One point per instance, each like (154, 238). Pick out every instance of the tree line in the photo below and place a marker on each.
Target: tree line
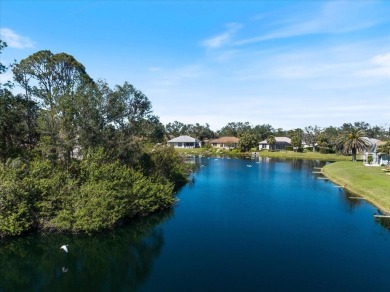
(324, 140)
(77, 155)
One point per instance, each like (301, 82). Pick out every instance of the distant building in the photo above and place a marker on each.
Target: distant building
(280, 144)
(377, 158)
(225, 142)
(184, 142)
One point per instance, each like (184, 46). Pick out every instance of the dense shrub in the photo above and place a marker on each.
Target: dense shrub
(164, 164)
(90, 195)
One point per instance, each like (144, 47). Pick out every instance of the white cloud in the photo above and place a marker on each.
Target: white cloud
(154, 69)
(179, 75)
(333, 18)
(381, 69)
(382, 60)
(223, 38)
(269, 110)
(14, 40)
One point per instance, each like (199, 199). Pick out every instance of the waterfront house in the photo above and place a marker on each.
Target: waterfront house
(280, 143)
(372, 155)
(184, 142)
(225, 142)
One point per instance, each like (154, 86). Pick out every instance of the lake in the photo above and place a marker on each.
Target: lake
(240, 225)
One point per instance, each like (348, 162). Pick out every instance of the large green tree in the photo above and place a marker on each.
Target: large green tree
(235, 129)
(248, 141)
(18, 118)
(311, 135)
(56, 81)
(174, 129)
(263, 131)
(17, 125)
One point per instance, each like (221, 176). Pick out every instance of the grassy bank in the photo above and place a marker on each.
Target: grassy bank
(265, 153)
(369, 182)
(305, 155)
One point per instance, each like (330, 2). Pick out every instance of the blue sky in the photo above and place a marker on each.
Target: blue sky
(285, 63)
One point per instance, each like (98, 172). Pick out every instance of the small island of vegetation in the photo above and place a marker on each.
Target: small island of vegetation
(77, 155)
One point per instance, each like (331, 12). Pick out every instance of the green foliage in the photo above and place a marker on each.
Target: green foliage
(197, 131)
(83, 143)
(235, 129)
(352, 141)
(164, 163)
(370, 182)
(370, 159)
(15, 200)
(87, 196)
(271, 141)
(110, 192)
(384, 148)
(248, 141)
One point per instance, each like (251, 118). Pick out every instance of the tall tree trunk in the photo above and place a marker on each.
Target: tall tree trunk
(353, 154)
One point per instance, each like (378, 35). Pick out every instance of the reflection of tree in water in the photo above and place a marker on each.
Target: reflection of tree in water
(302, 164)
(350, 201)
(385, 222)
(115, 261)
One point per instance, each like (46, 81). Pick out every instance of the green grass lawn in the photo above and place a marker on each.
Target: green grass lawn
(265, 153)
(195, 151)
(305, 155)
(370, 182)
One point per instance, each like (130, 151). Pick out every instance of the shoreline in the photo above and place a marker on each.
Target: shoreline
(371, 183)
(264, 153)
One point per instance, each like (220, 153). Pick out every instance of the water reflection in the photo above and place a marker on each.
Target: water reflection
(120, 260)
(351, 200)
(384, 222)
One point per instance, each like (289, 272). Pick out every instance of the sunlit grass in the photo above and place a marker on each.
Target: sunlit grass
(266, 153)
(368, 181)
(305, 155)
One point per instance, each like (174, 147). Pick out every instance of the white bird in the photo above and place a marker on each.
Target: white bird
(65, 247)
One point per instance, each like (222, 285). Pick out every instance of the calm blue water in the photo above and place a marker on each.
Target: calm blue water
(270, 227)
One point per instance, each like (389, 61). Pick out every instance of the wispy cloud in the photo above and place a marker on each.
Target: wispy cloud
(180, 75)
(333, 18)
(223, 38)
(155, 69)
(14, 40)
(382, 60)
(380, 67)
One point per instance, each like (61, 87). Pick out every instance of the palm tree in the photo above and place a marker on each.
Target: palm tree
(352, 141)
(271, 141)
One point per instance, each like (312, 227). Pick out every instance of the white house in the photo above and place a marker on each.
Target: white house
(184, 142)
(378, 158)
(383, 159)
(280, 143)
